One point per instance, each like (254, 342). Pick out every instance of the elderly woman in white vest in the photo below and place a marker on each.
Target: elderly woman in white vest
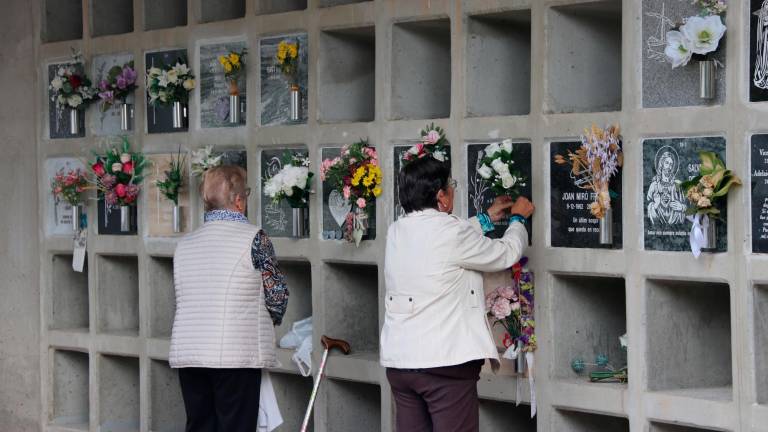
(436, 336)
(229, 296)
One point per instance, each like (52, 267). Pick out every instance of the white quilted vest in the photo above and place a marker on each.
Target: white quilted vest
(221, 319)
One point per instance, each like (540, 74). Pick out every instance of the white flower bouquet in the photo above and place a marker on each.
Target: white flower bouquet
(203, 159)
(498, 167)
(71, 88)
(169, 84)
(292, 183)
(699, 36)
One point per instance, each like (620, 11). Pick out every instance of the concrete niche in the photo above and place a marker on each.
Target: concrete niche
(266, 7)
(664, 427)
(118, 294)
(355, 407)
(353, 288)
(119, 394)
(162, 14)
(329, 3)
(111, 17)
(69, 309)
(299, 279)
(166, 405)
(70, 390)
(63, 20)
(575, 421)
(220, 10)
(292, 393)
(162, 297)
(761, 342)
(501, 416)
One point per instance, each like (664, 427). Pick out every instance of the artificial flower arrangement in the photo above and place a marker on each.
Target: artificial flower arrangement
(498, 167)
(293, 183)
(69, 186)
(118, 175)
(119, 83)
(703, 192)
(356, 175)
(173, 180)
(288, 61)
(71, 88)
(169, 84)
(433, 143)
(233, 65)
(204, 159)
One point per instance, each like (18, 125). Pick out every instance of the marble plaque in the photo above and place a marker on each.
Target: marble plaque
(759, 170)
(160, 118)
(573, 225)
(108, 122)
(214, 87)
(276, 219)
(399, 150)
(667, 161)
(158, 210)
(58, 118)
(758, 51)
(109, 219)
(58, 217)
(479, 193)
(275, 93)
(662, 85)
(335, 208)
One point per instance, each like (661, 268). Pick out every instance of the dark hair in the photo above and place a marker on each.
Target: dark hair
(419, 181)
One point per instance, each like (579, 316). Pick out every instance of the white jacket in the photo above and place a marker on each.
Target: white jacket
(435, 304)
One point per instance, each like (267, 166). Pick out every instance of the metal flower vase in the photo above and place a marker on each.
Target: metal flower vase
(295, 102)
(125, 218)
(606, 227)
(176, 219)
(126, 114)
(711, 243)
(179, 115)
(234, 103)
(520, 360)
(707, 73)
(300, 222)
(74, 121)
(77, 215)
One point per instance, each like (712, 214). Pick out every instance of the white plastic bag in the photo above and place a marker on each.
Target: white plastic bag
(303, 356)
(299, 331)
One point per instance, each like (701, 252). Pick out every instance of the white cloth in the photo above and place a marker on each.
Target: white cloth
(221, 318)
(435, 303)
(698, 236)
(269, 413)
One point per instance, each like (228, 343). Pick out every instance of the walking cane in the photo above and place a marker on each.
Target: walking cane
(328, 344)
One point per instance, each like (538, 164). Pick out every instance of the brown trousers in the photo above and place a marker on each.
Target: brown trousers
(440, 399)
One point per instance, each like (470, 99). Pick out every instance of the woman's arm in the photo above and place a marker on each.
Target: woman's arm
(473, 250)
(275, 286)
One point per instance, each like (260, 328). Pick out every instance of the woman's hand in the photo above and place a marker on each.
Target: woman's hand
(523, 207)
(498, 210)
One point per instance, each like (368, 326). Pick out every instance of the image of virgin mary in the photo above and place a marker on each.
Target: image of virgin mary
(666, 201)
(760, 78)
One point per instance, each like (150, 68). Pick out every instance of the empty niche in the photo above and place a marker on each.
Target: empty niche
(329, 3)
(118, 294)
(689, 338)
(584, 60)
(166, 405)
(665, 427)
(162, 296)
(500, 416)
(421, 69)
(354, 289)
(70, 389)
(355, 407)
(266, 7)
(591, 318)
(499, 64)
(575, 421)
(162, 14)
(119, 393)
(761, 342)
(63, 20)
(292, 392)
(299, 279)
(69, 295)
(221, 10)
(347, 75)
(111, 17)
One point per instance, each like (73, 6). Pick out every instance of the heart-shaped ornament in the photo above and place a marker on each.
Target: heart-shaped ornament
(339, 207)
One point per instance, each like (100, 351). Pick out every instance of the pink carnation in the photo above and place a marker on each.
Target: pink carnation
(501, 308)
(347, 192)
(507, 292)
(432, 137)
(360, 203)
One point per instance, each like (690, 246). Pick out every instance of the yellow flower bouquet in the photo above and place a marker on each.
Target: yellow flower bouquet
(288, 60)
(233, 65)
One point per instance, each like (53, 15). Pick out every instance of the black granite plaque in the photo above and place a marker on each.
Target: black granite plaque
(335, 209)
(759, 193)
(399, 151)
(667, 161)
(214, 86)
(758, 51)
(275, 90)
(276, 219)
(573, 225)
(160, 117)
(109, 220)
(479, 193)
(58, 118)
(234, 157)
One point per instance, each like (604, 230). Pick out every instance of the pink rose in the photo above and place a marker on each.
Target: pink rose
(360, 203)
(120, 190)
(128, 167)
(347, 192)
(431, 138)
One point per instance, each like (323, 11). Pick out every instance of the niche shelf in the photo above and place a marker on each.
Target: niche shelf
(69, 291)
(63, 20)
(163, 14)
(162, 297)
(292, 392)
(421, 70)
(499, 64)
(119, 393)
(299, 278)
(689, 339)
(356, 407)
(70, 405)
(761, 342)
(576, 421)
(500, 416)
(591, 318)
(267, 7)
(354, 289)
(221, 10)
(584, 60)
(330, 3)
(118, 294)
(665, 427)
(347, 75)
(111, 17)
(166, 404)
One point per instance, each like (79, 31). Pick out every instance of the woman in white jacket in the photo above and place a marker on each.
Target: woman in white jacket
(435, 336)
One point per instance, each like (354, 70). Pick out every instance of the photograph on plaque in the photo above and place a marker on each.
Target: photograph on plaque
(399, 151)
(104, 123)
(276, 218)
(160, 117)
(58, 218)
(759, 171)
(215, 87)
(572, 223)
(758, 51)
(58, 117)
(666, 163)
(278, 100)
(479, 193)
(158, 210)
(336, 208)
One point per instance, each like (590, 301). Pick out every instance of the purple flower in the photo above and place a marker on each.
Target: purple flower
(110, 198)
(108, 181)
(129, 75)
(104, 85)
(121, 82)
(107, 96)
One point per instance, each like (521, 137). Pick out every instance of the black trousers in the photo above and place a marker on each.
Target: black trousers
(221, 400)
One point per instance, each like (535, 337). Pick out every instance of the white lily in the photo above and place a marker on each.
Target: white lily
(485, 171)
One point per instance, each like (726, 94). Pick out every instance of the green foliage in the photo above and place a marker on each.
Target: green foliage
(174, 178)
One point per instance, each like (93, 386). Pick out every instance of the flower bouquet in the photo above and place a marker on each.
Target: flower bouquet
(433, 143)
(288, 62)
(170, 86)
(233, 65)
(703, 191)
(115, 88)
(357, 177)
(68, 186)
(118, 175)
(293, 183)
(596, 161)
(498, 166)
(72, 89)
(699, 38)
(171, 185)
(203, 159)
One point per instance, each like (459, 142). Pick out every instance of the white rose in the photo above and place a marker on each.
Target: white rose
(507, 181)
(117, 167)
(154, 72)
(500, 167)
(506, 145)
(678, 50)
(485, 171)
(439, 155)
(189, 84)
(704, 33)
(56, 83)
(75, 100)
(492, 149)
(173, 76)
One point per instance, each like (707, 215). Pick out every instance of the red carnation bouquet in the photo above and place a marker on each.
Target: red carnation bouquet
(118, 175)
